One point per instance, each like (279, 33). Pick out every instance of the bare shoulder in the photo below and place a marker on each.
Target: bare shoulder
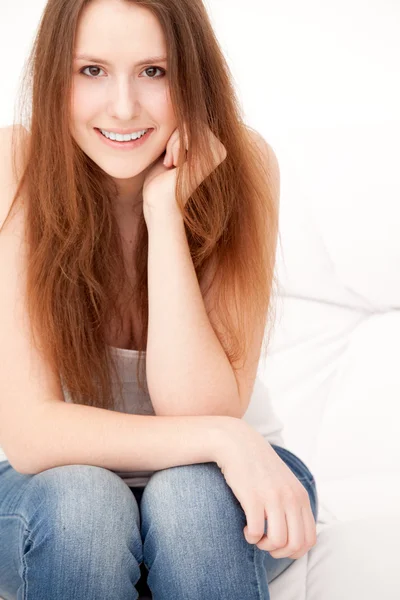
(13, 134)
(270, 159)
(7, 133)
(11, 138)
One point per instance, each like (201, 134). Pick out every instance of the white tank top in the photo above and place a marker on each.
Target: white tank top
(134, 401)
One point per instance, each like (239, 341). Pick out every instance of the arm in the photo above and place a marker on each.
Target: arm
(188, 372)
(59, 433)
(38, 430)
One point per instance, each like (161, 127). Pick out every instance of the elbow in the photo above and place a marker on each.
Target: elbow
(229, 407)
(18, 459)
(20, 466)
(25, 467)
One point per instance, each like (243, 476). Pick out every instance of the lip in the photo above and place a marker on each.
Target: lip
(124, 146)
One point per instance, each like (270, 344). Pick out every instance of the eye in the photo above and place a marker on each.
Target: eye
(89, 67)
(163, 72)
(155, 69)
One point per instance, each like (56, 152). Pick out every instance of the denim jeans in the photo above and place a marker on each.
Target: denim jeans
(79, 532)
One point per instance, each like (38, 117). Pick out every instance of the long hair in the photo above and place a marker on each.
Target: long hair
(75, 269)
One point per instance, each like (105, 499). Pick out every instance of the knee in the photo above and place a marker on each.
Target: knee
(189, 501)
(81, 523)
(181, 481)
(82, 498)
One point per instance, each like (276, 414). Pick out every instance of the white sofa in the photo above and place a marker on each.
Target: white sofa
(333, 369)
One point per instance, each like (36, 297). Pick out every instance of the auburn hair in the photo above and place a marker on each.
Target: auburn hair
(75, 269)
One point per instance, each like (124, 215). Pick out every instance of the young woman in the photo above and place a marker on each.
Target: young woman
(157, 245)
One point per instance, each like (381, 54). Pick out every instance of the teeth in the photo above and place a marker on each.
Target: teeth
(123, 138)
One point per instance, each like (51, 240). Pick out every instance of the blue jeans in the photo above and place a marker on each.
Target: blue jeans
(79, 532)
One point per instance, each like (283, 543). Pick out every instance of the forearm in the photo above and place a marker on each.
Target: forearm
(61, 433)
(188, 372)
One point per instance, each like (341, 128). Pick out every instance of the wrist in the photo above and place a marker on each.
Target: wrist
(225, 431)
(160, 215)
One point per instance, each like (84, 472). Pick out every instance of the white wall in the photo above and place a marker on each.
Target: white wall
(295, 63)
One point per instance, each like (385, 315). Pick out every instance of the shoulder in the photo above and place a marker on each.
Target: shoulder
(269, 159)
(17, 132)
(265, 149)
(11, 138)
(12, 131)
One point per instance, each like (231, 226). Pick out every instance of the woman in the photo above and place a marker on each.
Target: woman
(162, 247)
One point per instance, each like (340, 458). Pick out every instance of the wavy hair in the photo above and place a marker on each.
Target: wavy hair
(75, 269)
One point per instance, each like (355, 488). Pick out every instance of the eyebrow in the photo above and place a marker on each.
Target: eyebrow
(145, 61)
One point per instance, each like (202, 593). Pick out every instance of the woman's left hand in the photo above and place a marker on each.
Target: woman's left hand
(159, 187)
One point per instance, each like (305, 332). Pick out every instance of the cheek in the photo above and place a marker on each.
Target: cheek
(158, 104)
(85, 103)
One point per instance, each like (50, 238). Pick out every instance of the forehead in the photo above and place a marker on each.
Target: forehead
(119, 31)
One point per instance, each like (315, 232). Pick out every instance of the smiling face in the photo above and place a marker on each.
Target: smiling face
(117, 92)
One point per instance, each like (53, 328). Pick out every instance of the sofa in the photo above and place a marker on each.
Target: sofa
(333, 367)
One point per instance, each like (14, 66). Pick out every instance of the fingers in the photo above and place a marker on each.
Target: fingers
(173, 153)
(172, 150)
(168, 151)
(310, 532)
(277, 530)
(295, 525)
(255, 517)
(291, 528)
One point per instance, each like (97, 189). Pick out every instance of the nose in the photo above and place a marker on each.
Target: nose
(124, 102)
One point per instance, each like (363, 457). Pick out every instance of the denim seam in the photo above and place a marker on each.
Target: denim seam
(22, 557)
(307, 479)
(300, 465)
(256, 572)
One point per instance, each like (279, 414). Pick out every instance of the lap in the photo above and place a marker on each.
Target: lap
(181, 504)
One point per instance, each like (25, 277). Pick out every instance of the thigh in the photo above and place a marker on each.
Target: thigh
(64, 525)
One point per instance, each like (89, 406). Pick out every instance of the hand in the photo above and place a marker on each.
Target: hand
(267, 489)
(159, 187)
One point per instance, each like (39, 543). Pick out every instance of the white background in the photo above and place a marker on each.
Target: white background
(295, 63)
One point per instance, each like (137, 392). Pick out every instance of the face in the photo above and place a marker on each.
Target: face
(117, 93)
